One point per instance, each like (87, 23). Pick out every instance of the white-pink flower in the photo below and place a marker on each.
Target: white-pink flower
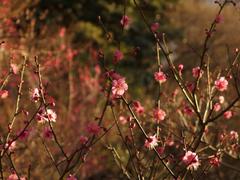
(151, 142)
(233, 136)
(159, 114)
(3, 94)
(191, 160)
(221, 84)
(45, 116)
(216, 107)
(15, 177)
(138, 107)
(160, 77)
(119, 87)
(221, 99)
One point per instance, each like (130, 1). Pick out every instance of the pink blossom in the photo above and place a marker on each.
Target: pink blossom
(221, 84)
(71, 177)
(160, 76)
(190, 86)
(180, 69)
(215, 161)
(44, 116)
(123, 120)
(191, 160)
(228, 114)
(11, 146)
(188, 111)
(93, 128)
(154, 26)
(119, 87)
(151, 142)
(233, 136)
(3, 94)
(219, 19)
(15, 177)
(160, 150)
(138, 107)
(125, 21)
(216, 107)
(118, 56)
(159, 114)
(197, 72)
(83, 139)
(35, 95)
(14, 68)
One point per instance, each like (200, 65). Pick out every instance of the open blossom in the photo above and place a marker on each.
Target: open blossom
(191, 160)
(14, 68)
(159, 114)
(11, 146)
(160, 76)
(3, 94)
(215, 161)
(151, 142)
(35, 95)
(217, 107)
(233, 136)
(15, 177)
(44, 116)
(221, 84)
(154, 26)
(119, 87)
(118, 56)
(125, 21)
(197, 72)
(228, 114)
(138, 107)
(93, 128)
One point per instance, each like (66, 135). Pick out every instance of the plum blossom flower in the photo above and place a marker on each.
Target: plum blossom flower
(71, 177)
(45, 116)
(233, 135)
(197, 72)
(35, 95)
(191, 160)
(119, 87)
(228, 114)
(160, 77)
(215, 161)
(14, 68)
(151, 142)
(154, 26)
(221, 84)
(11, 146)
(123, 120)
(180, 69)
(138, 107)
(216, 107)
(14, 176)
(159, 114)
(93, 128)
(3, 94)
(118, 56)
(125, 21)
